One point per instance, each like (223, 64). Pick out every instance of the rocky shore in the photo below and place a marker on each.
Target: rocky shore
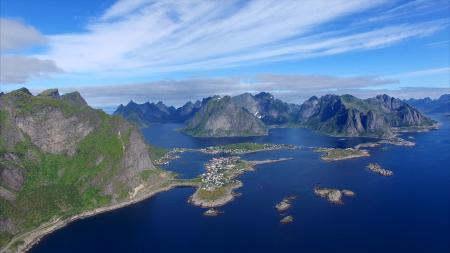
(217, 198)
(333, 195)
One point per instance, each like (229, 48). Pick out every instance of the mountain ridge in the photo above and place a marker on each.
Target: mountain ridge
(343, 115)
(428, 105)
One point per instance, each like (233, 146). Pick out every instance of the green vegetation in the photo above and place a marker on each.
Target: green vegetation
(61, 186)
(156, 153)
(28, 104)
(212, 195)
(245, 146)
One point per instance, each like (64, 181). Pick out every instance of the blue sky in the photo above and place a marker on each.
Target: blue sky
(114, 51)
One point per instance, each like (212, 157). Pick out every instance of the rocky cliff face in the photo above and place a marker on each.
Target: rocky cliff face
(349, 116)
(265, 107)
(59, 157)
(221, 117)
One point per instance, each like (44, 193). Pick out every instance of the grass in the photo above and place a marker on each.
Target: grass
(156, 152)
(212, 195)
(244, 146)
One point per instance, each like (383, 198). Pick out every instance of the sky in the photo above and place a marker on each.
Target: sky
(174, 51)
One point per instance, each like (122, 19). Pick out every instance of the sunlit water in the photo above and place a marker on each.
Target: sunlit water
(409, 212)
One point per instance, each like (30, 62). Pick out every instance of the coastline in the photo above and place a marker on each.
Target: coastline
(227, 197)
(229, 193)
(34, 236)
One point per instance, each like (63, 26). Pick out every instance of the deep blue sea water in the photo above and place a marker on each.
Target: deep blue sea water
(409, 212)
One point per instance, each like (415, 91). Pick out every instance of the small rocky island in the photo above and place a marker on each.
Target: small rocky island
(218, 183)
(211, 212)
(285, 204)
(336, 154)
(375, 167)
(287, 219)
(333, 195)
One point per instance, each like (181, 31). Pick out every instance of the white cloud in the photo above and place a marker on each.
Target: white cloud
(14, 35)
(20, 69)
(424, 72)
(142, 37)
(292, 88)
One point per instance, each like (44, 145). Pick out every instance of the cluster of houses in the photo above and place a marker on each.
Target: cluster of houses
(168, 156)
(215, 176)
(237, 151)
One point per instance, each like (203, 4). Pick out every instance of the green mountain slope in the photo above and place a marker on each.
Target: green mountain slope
(59, 158)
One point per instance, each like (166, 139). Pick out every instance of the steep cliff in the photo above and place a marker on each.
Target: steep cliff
(59, 157)
(221, 117)
(270, 110)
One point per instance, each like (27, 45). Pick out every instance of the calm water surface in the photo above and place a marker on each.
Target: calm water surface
(409, 212)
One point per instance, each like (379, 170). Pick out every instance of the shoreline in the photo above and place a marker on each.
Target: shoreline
(229, 196)
(33, 237)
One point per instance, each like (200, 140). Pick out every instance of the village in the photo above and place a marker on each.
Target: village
(219, 172)
(244, 148)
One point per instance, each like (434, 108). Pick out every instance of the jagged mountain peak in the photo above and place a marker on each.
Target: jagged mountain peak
(51, 93)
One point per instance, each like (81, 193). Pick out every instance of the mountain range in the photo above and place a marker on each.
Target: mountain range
(252, 115)
(428, 105)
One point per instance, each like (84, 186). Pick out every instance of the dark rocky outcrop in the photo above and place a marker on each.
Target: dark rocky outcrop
(265, 107)
(349, 116)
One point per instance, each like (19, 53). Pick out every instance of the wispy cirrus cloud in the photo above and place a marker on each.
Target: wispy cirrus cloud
(143, 37)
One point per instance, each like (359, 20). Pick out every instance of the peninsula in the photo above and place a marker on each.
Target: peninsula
(218, 183)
